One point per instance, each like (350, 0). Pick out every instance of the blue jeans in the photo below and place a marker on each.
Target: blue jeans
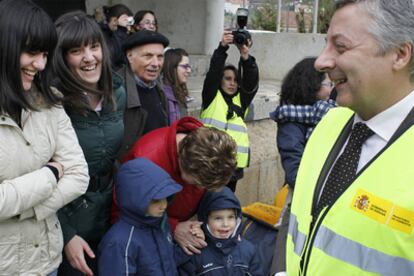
(53, 273)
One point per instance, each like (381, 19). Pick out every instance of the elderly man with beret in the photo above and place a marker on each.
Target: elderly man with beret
(146, 108)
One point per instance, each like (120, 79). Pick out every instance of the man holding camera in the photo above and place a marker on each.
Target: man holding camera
(227, 94)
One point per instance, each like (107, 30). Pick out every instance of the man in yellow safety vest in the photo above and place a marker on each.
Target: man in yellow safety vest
(353, 207)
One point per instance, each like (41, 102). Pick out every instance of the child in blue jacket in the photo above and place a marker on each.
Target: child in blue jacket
(226, 254)
(140, 242)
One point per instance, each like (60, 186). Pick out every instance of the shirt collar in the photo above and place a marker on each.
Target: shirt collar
(144, 84)
(386, 123)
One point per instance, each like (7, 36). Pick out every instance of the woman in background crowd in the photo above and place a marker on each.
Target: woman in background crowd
(42, 166)
(175, 73)
(94, 99)
(227, 95)
(145, 19)
(115, 30)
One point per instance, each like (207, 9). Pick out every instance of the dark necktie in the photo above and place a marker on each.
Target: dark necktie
(344, 170)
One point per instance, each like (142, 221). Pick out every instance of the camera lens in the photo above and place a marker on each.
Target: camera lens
(240, 39)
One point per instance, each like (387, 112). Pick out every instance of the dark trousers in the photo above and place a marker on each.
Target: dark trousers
(279, 263)
(238, 174)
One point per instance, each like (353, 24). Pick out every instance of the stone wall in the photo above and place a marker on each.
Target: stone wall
(265, 175)
(189, 24)
(276, 53)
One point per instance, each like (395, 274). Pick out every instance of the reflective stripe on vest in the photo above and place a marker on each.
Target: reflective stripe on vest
(354, 253)
(298, 238)
(215, 115)
(242, 149)
(222, 125)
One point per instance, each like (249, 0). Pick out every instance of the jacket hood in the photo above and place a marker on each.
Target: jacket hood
(140, 181)
(224, 199)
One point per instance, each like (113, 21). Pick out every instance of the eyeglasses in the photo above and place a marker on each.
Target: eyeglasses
(185, 66)
(148, 22)
(327, 84)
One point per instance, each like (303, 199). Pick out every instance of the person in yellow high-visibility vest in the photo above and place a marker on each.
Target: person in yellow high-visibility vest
(353, 210)
(227, 94)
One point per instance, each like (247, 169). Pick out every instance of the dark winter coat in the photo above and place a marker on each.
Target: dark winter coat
(100, 135)
(291, 141)
(136, 116)
(114, 41)
(222, 257)
(139, 244)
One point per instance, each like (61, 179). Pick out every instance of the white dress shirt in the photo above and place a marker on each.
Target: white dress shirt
(384, 125)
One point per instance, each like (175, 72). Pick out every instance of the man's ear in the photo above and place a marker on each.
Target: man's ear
(403, 56)
(129, 55)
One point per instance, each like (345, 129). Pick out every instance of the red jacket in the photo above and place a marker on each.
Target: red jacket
(160, 147)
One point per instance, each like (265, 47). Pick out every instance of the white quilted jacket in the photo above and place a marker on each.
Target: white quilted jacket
(30, 234)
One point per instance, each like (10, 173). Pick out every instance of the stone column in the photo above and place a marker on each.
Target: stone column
(214, 25)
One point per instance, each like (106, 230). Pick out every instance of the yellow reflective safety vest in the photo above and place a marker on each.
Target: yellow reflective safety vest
(215, 115)
(369, 229)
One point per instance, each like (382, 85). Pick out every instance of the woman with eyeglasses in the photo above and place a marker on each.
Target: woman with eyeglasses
(145, 19)
(304, 100)
(226, 96)
(42, 166)
(175, 73)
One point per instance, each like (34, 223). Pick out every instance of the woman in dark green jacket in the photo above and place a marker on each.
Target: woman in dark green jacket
(94, 99)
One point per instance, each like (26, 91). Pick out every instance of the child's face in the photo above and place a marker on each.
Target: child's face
(222, 223)
(157, 207)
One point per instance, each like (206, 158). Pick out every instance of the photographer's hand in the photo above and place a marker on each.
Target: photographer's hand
(227, 38)
(123, 20)
(244, 50)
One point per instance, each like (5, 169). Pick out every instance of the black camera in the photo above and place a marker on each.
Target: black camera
(241, 35)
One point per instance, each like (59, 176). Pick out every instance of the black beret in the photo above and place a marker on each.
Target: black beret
(144, 37)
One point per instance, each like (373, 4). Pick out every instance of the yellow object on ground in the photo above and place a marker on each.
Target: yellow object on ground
(266, 213)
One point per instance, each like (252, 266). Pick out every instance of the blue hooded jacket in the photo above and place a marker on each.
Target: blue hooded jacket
(222, 257)
(139, 244)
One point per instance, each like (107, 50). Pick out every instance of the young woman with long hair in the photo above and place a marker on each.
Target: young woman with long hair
(42, 166)
(94, 99)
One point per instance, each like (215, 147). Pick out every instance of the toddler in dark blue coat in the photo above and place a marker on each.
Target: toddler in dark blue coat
(140, 243)
(227, 254)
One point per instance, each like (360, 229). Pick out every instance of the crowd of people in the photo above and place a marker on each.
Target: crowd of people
(103, 173)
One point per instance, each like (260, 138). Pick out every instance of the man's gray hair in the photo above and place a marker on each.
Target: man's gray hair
(392, 23)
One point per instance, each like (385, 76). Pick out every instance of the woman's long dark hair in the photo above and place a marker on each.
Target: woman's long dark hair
(76, 29)
(24, 27)
(169, 72)
(302, 83)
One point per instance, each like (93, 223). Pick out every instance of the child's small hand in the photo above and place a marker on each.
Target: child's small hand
(196, 231)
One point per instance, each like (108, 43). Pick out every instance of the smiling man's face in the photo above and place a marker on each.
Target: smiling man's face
(146, 61)
(353, 62)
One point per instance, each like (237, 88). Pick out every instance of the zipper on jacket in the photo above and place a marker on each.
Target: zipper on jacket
(311, 240)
